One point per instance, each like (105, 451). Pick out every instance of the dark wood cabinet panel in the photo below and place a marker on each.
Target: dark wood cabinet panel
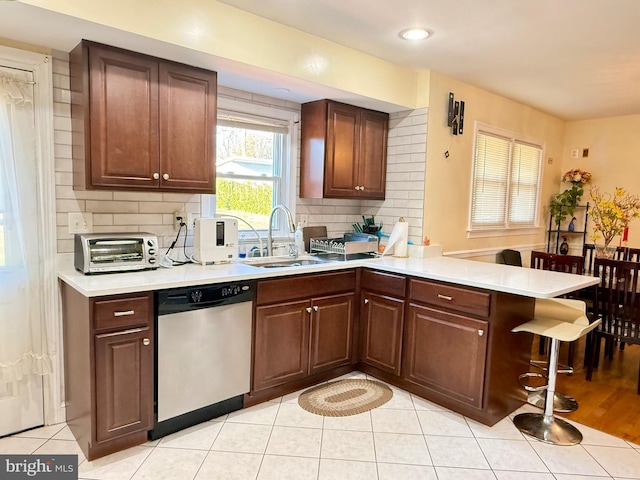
(109, 369)
(372, 169)
(343, 151)
(331, 332)
(140, 122)
(446, 353)
(305, 287)
(187, 127)
(123, 126)
(281, 344)
(381, 319)
(124, 383)
(458, 299)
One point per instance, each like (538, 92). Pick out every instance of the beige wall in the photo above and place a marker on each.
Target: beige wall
(447, 186)
(614, 157)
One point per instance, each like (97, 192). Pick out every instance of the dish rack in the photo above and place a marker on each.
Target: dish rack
(351, 245)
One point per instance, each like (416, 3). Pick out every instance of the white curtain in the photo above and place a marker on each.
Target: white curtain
(23, 339)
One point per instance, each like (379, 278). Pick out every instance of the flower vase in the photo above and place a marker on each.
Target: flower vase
(605, 251)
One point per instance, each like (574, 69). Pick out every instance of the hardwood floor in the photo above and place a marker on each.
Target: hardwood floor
(610, 402)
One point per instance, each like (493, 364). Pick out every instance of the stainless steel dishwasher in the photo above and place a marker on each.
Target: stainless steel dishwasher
(203, 353)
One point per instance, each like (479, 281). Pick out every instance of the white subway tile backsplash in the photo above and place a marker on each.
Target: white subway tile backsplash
(112, 207)
(160, 207)
(61, 81)
(137, 219)
(62, 123)
(93, 195)
(137, 196)
(71, 205)
(102, 219)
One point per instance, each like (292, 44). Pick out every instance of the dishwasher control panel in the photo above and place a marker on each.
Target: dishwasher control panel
(204, 296)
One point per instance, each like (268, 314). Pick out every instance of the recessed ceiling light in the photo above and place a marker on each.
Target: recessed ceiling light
(415, 33)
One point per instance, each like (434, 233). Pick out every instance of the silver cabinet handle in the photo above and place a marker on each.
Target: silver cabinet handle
(124, 313)
(361, 188)
(124, 332)
(445, 297)
(165, 176)
(315, 308)
(146, 341)
(156, 176)
(480, 333)
(366, 300)
(308, 309)
(357, 187)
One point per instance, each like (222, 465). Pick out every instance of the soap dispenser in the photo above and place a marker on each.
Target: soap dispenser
(299, 239)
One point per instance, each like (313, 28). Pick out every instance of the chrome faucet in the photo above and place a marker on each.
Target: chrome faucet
(292, 226)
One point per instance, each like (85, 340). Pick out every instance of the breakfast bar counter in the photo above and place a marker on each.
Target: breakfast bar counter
(497, 277)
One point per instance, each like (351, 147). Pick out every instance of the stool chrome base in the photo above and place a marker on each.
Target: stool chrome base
(561, 403)
(547, 429)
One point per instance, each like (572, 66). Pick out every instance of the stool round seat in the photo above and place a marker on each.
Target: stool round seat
(560, 320)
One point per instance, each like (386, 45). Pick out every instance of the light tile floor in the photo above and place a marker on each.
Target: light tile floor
(408, 438)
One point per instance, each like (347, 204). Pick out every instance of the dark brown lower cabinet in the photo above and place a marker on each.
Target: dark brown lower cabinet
(281, 344)
(446, 353)
(298, 340)
(124, 383)
(331, 334)
(381, 318)
(109, 369)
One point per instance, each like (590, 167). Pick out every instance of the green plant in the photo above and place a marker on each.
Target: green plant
(565, 203)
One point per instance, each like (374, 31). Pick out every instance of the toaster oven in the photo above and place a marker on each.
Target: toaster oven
(115, 252)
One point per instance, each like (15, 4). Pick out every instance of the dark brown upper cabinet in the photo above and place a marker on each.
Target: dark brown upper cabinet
(343, 151)
(140, 122)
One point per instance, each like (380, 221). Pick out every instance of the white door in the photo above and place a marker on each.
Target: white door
(21, 401)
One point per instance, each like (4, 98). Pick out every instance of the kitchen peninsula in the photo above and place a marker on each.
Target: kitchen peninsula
(437, 327)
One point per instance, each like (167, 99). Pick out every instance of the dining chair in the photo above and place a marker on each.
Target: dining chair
(617, 304)
(509, 257)
(560, 263)
(589, 255)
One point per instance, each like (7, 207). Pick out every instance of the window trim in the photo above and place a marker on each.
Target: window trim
(289, 160)
(476, 232)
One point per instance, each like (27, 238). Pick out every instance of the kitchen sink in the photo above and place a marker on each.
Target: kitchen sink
(290, 263)
(283, 262)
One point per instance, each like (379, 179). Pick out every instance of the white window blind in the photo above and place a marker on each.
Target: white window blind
(505, 183)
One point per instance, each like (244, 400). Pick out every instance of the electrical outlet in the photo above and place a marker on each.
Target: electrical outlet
(179, 217)
(80, 222)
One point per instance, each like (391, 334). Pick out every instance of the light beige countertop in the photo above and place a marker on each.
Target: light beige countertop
(502, 278)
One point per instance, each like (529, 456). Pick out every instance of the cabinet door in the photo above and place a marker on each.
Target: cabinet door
(446, 353)
(331, 335)
(187, 128)
(124, 383)
(342, 151)
(281, 344)
(123, 89)
(382, 322)
(372, 167)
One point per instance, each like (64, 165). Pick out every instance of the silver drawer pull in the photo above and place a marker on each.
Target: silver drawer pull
(308, 309)
(125, 332)
(315, 308)
(445, 297)
(480, 333)
(124, 313)
(146, 341)
(366, 300)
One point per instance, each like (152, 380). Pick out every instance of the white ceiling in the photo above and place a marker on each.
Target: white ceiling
(575, 59)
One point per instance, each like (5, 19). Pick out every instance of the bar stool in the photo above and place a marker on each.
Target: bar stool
(561, 320)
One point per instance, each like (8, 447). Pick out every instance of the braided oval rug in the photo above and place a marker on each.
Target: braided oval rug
(345, 397)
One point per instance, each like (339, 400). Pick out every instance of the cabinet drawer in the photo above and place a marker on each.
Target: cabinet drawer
(385, 283)
(453, 298)
(305, 286)
(122, 310)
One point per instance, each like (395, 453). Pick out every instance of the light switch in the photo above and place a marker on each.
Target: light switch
(80, 222)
